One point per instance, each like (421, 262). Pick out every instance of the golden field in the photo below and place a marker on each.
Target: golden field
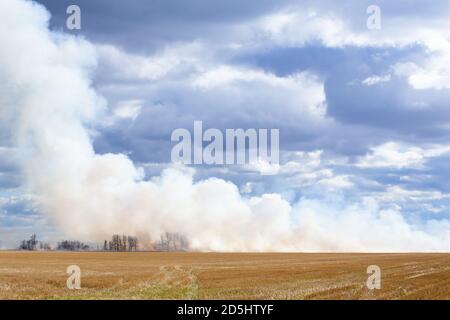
(155, 275)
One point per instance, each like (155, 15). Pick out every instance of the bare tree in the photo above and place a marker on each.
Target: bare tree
(132, 243)
(121, 243)
(124, 243)
(172, 242)
(115, 242)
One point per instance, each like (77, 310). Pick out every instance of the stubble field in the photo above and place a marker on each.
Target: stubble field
(153, 275)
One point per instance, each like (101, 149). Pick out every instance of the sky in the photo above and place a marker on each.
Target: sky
(363, 116)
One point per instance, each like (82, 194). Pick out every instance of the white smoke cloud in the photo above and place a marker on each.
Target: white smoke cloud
(47, 99)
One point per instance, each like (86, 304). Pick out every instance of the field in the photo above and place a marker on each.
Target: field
(152, 275)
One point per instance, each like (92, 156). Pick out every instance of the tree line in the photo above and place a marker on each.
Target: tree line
(168, 242)
(30, 244)
(33, 244)
(72, 245)
(172, 242)
(119, 243)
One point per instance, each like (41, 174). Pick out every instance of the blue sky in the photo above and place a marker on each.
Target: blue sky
(363, 114)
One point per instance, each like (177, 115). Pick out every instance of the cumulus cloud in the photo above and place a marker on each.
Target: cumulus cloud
(129, 109)
(178, 77)
(171, 60)
(329, 25)
(397, 156)
(433, 73)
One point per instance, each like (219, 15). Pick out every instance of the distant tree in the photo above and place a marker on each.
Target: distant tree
(68, 245)
(132, 243)
(116, 242)
(23, 245)
(33, 242)
(124, 243)
(44, 246)
(172, 242)
(121, 243)
(29, 244)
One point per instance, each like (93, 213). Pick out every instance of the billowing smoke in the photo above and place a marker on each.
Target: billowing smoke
(48, 104)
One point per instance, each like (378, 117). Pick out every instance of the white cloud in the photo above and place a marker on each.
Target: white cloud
(183, 75)
(128, 109)
(301, 25)
(297, 95)
(433, 209)
(434, 73)
(297, 27)
(399, 156)
(398, 194)
(118, 64)
(263, 167)
(337, 182)
(302, 162)
(247, 188)
(370, 81)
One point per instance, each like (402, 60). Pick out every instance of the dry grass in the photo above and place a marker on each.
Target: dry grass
(146, 275)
